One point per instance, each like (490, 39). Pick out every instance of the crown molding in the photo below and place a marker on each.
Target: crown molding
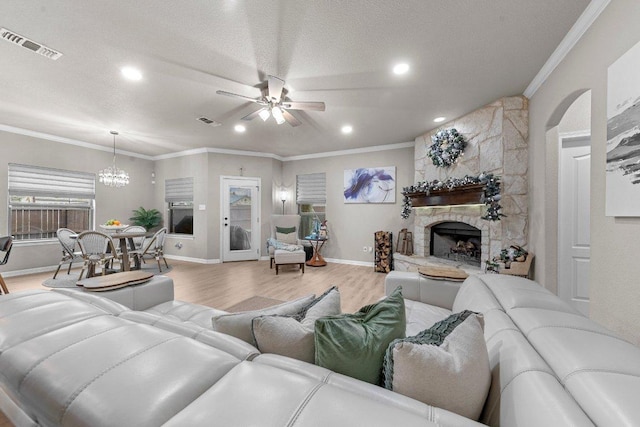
(363, 150)
(63, 140)
(203, 150)
(588, 17)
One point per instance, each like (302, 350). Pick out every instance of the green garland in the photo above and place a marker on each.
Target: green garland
(447, 145)
(491, 192)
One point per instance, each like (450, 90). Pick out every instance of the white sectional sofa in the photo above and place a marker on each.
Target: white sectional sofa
(550, 365)
(136, 357)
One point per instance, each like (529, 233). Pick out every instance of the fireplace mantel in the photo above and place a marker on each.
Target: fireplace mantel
(471, 194)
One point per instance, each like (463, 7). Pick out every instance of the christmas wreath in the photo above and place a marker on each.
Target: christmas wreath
(447, 146)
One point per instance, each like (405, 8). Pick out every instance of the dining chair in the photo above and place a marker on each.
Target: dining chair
(137, 241)
(69, 253)
(97, 250)
(154, 247)
(6, 243)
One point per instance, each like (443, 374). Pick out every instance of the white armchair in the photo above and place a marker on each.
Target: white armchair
(285, 229)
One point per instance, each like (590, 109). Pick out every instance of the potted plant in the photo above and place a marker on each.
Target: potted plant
(147, 218)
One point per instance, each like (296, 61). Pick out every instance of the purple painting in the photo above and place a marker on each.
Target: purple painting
(370, 185)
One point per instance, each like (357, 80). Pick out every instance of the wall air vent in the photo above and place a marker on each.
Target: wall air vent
(38, 48)
(209, 122)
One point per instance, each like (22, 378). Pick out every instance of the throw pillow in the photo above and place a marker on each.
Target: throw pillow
(445, 366)
(287, 235)
(292, 336)
(355, 344)
(239, 324)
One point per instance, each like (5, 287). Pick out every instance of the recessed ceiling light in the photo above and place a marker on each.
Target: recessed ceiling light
(400, 69)
(347, 129)
(131, 73)
(439, 119)
(239, 128)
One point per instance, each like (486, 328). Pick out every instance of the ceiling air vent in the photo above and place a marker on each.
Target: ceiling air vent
(38, 48)
(209, 122)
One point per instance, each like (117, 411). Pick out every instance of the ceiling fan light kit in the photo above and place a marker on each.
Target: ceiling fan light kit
(274, 103)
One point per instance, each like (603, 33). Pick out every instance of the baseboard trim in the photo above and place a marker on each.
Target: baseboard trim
(350, 262)
(190, 259)
(36, 270)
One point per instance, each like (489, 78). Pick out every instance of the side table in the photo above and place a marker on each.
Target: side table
(317, 244)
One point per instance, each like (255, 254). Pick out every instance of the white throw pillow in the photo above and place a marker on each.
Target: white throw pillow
(294, 336)
(287, 235)
(239, 324)
(445, 366)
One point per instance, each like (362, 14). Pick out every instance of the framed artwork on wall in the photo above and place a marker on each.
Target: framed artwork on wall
(623, 135)
(370, 185)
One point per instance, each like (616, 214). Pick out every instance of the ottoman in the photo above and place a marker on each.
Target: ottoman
(282, 257)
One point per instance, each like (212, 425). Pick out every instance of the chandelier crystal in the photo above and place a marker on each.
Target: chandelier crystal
(112, 176)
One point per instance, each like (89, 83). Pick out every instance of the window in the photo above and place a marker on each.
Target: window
(178, 193)
(311, 197)
(41, 200)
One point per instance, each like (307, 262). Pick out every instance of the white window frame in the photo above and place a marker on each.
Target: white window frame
(50, 191)
(178, 194)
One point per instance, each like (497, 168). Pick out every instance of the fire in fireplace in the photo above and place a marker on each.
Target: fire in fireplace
(456, 241)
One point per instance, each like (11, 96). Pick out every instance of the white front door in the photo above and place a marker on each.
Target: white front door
(240, 215)
(574, 243)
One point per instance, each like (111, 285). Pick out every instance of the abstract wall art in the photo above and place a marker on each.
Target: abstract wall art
(623, 136)
(370, 185)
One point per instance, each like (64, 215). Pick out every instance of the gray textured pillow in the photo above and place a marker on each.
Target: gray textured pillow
(293, 336)
(445, 366)
(239, 324)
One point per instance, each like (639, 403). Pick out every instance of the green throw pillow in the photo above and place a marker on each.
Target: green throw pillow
(285, 230)
(355, 344)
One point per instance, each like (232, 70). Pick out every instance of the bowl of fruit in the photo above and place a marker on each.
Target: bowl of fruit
(113, 226)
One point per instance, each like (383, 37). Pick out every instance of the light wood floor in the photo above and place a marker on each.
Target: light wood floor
(223, 285)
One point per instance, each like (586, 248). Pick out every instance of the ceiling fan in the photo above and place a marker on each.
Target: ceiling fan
(275, 103)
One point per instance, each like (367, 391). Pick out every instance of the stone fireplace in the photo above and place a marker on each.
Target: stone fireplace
(497, 137)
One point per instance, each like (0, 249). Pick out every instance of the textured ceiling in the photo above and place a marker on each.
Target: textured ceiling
(463, 54)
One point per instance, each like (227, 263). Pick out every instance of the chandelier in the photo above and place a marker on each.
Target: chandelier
(112, 176)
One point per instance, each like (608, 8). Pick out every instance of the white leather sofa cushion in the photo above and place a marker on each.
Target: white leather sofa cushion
(224, 342)
(73, 364)
(137, 297)
(28, 314)
(416, 287)
(181, 311)
(93, 298)
(422, 316)
(437, 415)
(258, 394)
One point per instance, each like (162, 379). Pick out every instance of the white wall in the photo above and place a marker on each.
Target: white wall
(614, 261)
(114, 203)
(351, 226)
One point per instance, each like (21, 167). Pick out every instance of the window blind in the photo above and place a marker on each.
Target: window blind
(311, 189)
(26, 180)
(178, 190)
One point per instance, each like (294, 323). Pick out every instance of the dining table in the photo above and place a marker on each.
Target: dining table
(125, 237)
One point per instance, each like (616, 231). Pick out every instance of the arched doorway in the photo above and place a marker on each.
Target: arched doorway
(571, 149)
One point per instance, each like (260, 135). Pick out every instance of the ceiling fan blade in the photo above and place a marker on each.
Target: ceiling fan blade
(275, 88)
(309, 106)
(290, 118)
(246, 98)
(252, 116)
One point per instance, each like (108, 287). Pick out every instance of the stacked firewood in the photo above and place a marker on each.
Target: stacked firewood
(383, 250)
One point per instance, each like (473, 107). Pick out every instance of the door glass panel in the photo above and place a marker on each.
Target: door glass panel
(239, 218)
